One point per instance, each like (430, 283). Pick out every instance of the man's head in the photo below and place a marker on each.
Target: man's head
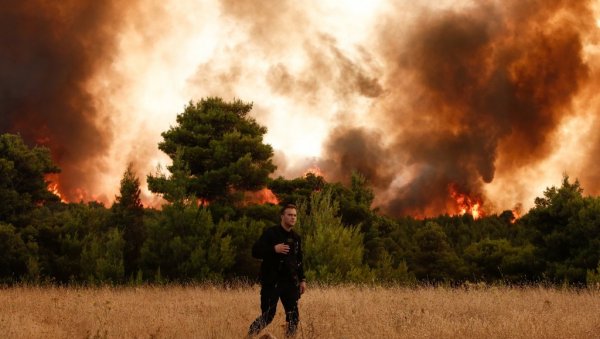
(288, 216)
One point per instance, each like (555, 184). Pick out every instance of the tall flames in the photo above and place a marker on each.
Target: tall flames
(53, 188)
(464, 204)
(263, 196)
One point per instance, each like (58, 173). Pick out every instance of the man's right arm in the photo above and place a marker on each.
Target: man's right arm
(262, 247)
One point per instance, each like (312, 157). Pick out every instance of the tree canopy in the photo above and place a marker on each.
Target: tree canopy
(22, 178)
(222, 146)
(218, 153)
(128, 214)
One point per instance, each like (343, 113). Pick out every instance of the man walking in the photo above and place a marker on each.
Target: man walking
(281, 272)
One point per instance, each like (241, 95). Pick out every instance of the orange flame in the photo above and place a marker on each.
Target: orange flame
(516, 211)
(75, 195)
(466, 204)
(263, 196)
(202, 202)
(53, 187)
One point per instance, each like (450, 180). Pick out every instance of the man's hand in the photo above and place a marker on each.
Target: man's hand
(282, 248)
(302, 287)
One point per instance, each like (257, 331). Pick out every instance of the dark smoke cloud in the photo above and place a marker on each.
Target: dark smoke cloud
(483, 90)
(359, 150)
(50, 50)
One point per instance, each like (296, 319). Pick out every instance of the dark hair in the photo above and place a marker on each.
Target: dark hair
(287, 206)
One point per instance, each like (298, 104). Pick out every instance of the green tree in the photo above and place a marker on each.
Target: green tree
(298, 189)
(332, 252)
(175, 188)
(60, 236)
(223, 149)
(22, 179)
(593, 277)
(434, 260)
(565, 229)
(128, 216)
(243, 233)
(184, 243)
(355, 201)
(491, 259)
(102, 257)
(13, 254)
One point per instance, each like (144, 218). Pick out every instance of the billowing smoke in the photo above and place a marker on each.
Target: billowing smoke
(358, 150)
(490, 100)
(50, 51)
(483, 89)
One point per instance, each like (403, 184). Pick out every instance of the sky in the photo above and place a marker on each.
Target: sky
(429, 100)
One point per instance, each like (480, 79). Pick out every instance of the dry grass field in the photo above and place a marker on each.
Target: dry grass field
(336, 312)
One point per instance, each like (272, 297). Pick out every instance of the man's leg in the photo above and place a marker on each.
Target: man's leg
(289, 298)
(268, 305)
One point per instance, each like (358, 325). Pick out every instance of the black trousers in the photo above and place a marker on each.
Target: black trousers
(270, 293)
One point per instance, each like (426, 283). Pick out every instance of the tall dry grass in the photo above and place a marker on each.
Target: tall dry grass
(335, 312)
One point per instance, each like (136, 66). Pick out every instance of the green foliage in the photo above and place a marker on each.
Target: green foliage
(243, 233)
(205, 233)
(102, 257)
(60, 236)
(128, 216)
(176, 188)
(13, 254)
(593, 277)
(389, 248)
(298, 189)
(221, 146)
(388, 272)
(434, 260)
(564, 227)
(333, 253)
(355, 201)
(184, 243)
(498, 259)
(22, 179)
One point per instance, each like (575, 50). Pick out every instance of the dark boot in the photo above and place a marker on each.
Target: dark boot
(290, 329)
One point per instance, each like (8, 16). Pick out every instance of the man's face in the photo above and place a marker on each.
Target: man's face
(288, 219)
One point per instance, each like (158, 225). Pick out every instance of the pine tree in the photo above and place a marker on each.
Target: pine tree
(128, 214)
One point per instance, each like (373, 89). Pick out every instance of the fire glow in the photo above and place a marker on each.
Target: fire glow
(53, 188)
(264, 196)
(466, 204)
(497, 84)
(52, 184)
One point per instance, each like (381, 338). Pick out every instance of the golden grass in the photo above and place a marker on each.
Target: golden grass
(336, 312)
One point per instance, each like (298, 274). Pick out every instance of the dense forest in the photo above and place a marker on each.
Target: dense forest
(207, 226)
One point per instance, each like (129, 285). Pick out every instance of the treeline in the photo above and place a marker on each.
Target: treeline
(207, 227)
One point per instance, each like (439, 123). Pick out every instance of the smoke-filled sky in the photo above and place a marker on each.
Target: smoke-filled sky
(495, 100)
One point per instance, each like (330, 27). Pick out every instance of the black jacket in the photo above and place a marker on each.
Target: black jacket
(278, 267)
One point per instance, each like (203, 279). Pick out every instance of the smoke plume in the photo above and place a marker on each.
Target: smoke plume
(481, 101)
(50, 52)
(484, 90)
